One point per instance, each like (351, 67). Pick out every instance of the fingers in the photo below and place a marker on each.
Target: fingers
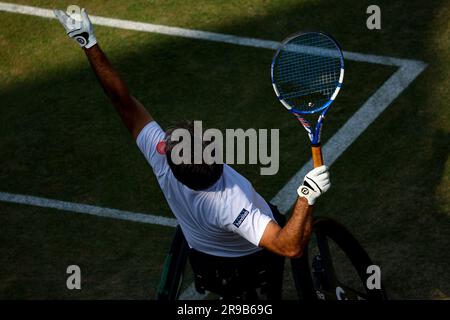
(319, 170)
(69, 23)
(326, 187)
(61, 15)
(321, 177)
(63, 18)
(323, 180)
(84, 16)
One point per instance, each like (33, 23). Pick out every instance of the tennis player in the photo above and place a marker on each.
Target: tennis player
(237, 240)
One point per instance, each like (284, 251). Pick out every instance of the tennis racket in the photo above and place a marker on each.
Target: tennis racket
(307, 73)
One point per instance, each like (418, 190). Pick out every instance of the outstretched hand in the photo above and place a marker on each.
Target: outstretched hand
(78, 28)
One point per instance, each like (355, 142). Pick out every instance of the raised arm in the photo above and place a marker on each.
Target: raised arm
(132, 112)
(291, 240)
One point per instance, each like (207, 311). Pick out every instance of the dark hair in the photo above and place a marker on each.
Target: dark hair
(195, 176)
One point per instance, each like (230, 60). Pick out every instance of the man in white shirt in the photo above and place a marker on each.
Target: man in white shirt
(220, 213)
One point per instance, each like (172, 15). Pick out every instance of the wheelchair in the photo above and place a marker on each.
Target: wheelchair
(334, 266)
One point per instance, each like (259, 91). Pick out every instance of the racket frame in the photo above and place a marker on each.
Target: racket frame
(314, 133)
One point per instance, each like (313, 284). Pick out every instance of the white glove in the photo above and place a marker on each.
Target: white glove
(316, 182)
(78, 26)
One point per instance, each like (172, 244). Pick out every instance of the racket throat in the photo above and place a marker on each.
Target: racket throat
(305, 125)
(318, 130)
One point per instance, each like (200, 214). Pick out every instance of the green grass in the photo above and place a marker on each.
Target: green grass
(59, 138)
(117, 259)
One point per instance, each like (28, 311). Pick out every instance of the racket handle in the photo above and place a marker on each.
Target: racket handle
(317, 155)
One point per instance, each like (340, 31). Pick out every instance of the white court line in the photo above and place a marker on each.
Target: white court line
(88, 209)
(192, 34)
(343, 138)
(379, 101)
(333, 149)
(352, 129)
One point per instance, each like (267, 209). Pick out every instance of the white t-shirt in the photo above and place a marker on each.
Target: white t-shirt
(228, 219)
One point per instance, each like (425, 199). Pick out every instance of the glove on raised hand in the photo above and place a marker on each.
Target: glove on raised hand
(78, 27)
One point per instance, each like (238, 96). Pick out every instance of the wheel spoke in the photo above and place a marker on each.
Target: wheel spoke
(326, 262)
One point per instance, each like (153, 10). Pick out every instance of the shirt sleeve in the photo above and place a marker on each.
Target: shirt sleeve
(250, 223)
(151, 143)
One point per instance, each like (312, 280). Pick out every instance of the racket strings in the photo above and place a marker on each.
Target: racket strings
(307, 71)
(315, 75)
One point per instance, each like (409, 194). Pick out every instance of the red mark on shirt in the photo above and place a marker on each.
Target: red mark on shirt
(161, 147)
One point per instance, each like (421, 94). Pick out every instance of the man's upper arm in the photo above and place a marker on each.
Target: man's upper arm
(248, 222)
(139, 118)
(132, 112)
(150, 141)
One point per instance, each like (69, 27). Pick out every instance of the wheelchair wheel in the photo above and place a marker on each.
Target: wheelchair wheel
(174, 267)
(333, 266)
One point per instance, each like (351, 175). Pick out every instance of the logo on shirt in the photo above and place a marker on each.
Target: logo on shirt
(240, 218)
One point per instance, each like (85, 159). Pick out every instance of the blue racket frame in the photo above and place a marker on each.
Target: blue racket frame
(313, 133)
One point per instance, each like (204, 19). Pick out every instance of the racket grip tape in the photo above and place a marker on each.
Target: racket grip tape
(317, 155)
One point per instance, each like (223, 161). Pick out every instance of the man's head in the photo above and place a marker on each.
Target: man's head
(195, 176)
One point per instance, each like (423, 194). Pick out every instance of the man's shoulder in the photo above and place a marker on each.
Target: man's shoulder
(232, 178)
(235, 193)
(151, 142)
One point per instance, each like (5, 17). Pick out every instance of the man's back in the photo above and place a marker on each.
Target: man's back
(227, 219)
